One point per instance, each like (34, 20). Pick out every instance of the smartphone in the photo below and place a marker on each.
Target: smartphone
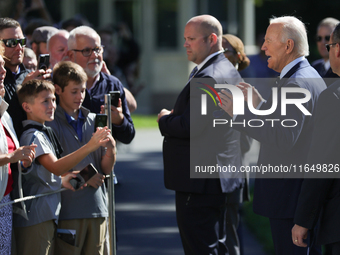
(115, 95)
(83, 176)
(100, 121)
(44, 61)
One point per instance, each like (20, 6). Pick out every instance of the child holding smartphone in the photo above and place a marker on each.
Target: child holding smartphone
(37, 235)
(83, 213)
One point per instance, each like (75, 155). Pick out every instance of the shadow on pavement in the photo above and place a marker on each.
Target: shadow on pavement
(145, 210)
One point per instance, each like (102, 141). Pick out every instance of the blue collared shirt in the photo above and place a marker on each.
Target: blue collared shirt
(16, 73)
(290, 66)
(77, 124)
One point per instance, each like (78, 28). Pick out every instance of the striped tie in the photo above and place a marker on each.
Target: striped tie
(193, 72)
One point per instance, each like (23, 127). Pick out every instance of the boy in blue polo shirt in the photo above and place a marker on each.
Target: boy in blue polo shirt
(83, 212)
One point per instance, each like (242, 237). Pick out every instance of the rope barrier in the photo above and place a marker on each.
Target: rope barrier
(18, 200)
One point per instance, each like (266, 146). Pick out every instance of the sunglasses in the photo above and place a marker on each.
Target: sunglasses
(12, 43)
(229, 50)
(319, 38)
(328, 46)
(88, 51)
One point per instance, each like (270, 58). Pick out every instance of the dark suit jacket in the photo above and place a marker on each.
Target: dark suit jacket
(328, 75)
(11, 97)
(323, 195)
(277, 198)
(188, 134)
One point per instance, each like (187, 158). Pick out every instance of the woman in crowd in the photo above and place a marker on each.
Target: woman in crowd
(234, 51)
(10, 152)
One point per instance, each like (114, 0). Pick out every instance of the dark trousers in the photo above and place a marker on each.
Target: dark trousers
(282, 238)
(199, 223)
(232, 222)
(333, 248)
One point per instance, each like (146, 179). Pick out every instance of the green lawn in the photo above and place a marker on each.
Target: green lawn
(144, 121)
(259, 226)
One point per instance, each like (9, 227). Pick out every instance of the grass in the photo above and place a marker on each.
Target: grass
(259, 226)
(144, 121)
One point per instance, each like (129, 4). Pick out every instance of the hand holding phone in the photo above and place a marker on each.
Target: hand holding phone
(96, 181)
(83, 176)
(115, 95)
(100, 121)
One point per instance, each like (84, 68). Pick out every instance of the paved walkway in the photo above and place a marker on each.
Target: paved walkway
(145, 210)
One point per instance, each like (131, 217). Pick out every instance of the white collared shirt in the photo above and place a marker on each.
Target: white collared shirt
(207, 59)
(327, 65)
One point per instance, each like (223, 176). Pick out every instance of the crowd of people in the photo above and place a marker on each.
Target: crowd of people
(60, 140)
(48, 117)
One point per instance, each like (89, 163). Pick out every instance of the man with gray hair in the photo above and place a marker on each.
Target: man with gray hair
(85, 49)
(30, 60)
(323, 66)
(57, 47)
(276, 194)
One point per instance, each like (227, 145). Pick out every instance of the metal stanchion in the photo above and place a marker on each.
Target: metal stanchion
(111, 187)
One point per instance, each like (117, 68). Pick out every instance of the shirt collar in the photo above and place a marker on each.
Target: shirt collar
(70, 119)
(95, 82)
(286, 69)
(16, 73)
(207, 59)
(327, 65)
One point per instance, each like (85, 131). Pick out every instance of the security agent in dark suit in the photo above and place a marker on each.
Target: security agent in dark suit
(200, 202)
(276, 198)
(321, 197)
(324, 30)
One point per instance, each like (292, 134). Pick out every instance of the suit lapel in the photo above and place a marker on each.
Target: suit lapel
(209, 62)
(293, 70)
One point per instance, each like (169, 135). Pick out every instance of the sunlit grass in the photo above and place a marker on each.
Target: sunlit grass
(144, 121)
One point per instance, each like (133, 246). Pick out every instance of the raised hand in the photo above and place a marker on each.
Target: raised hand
(255, 95)
(227, 101)
(99, 138)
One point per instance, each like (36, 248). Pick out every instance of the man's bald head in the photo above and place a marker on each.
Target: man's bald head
(208, 25)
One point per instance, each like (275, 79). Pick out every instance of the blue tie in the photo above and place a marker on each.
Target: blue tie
(193, 72)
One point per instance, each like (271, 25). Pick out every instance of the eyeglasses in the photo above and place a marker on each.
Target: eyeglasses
(88, 51)
(328, 46)
(12, 43)
(319, 38)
